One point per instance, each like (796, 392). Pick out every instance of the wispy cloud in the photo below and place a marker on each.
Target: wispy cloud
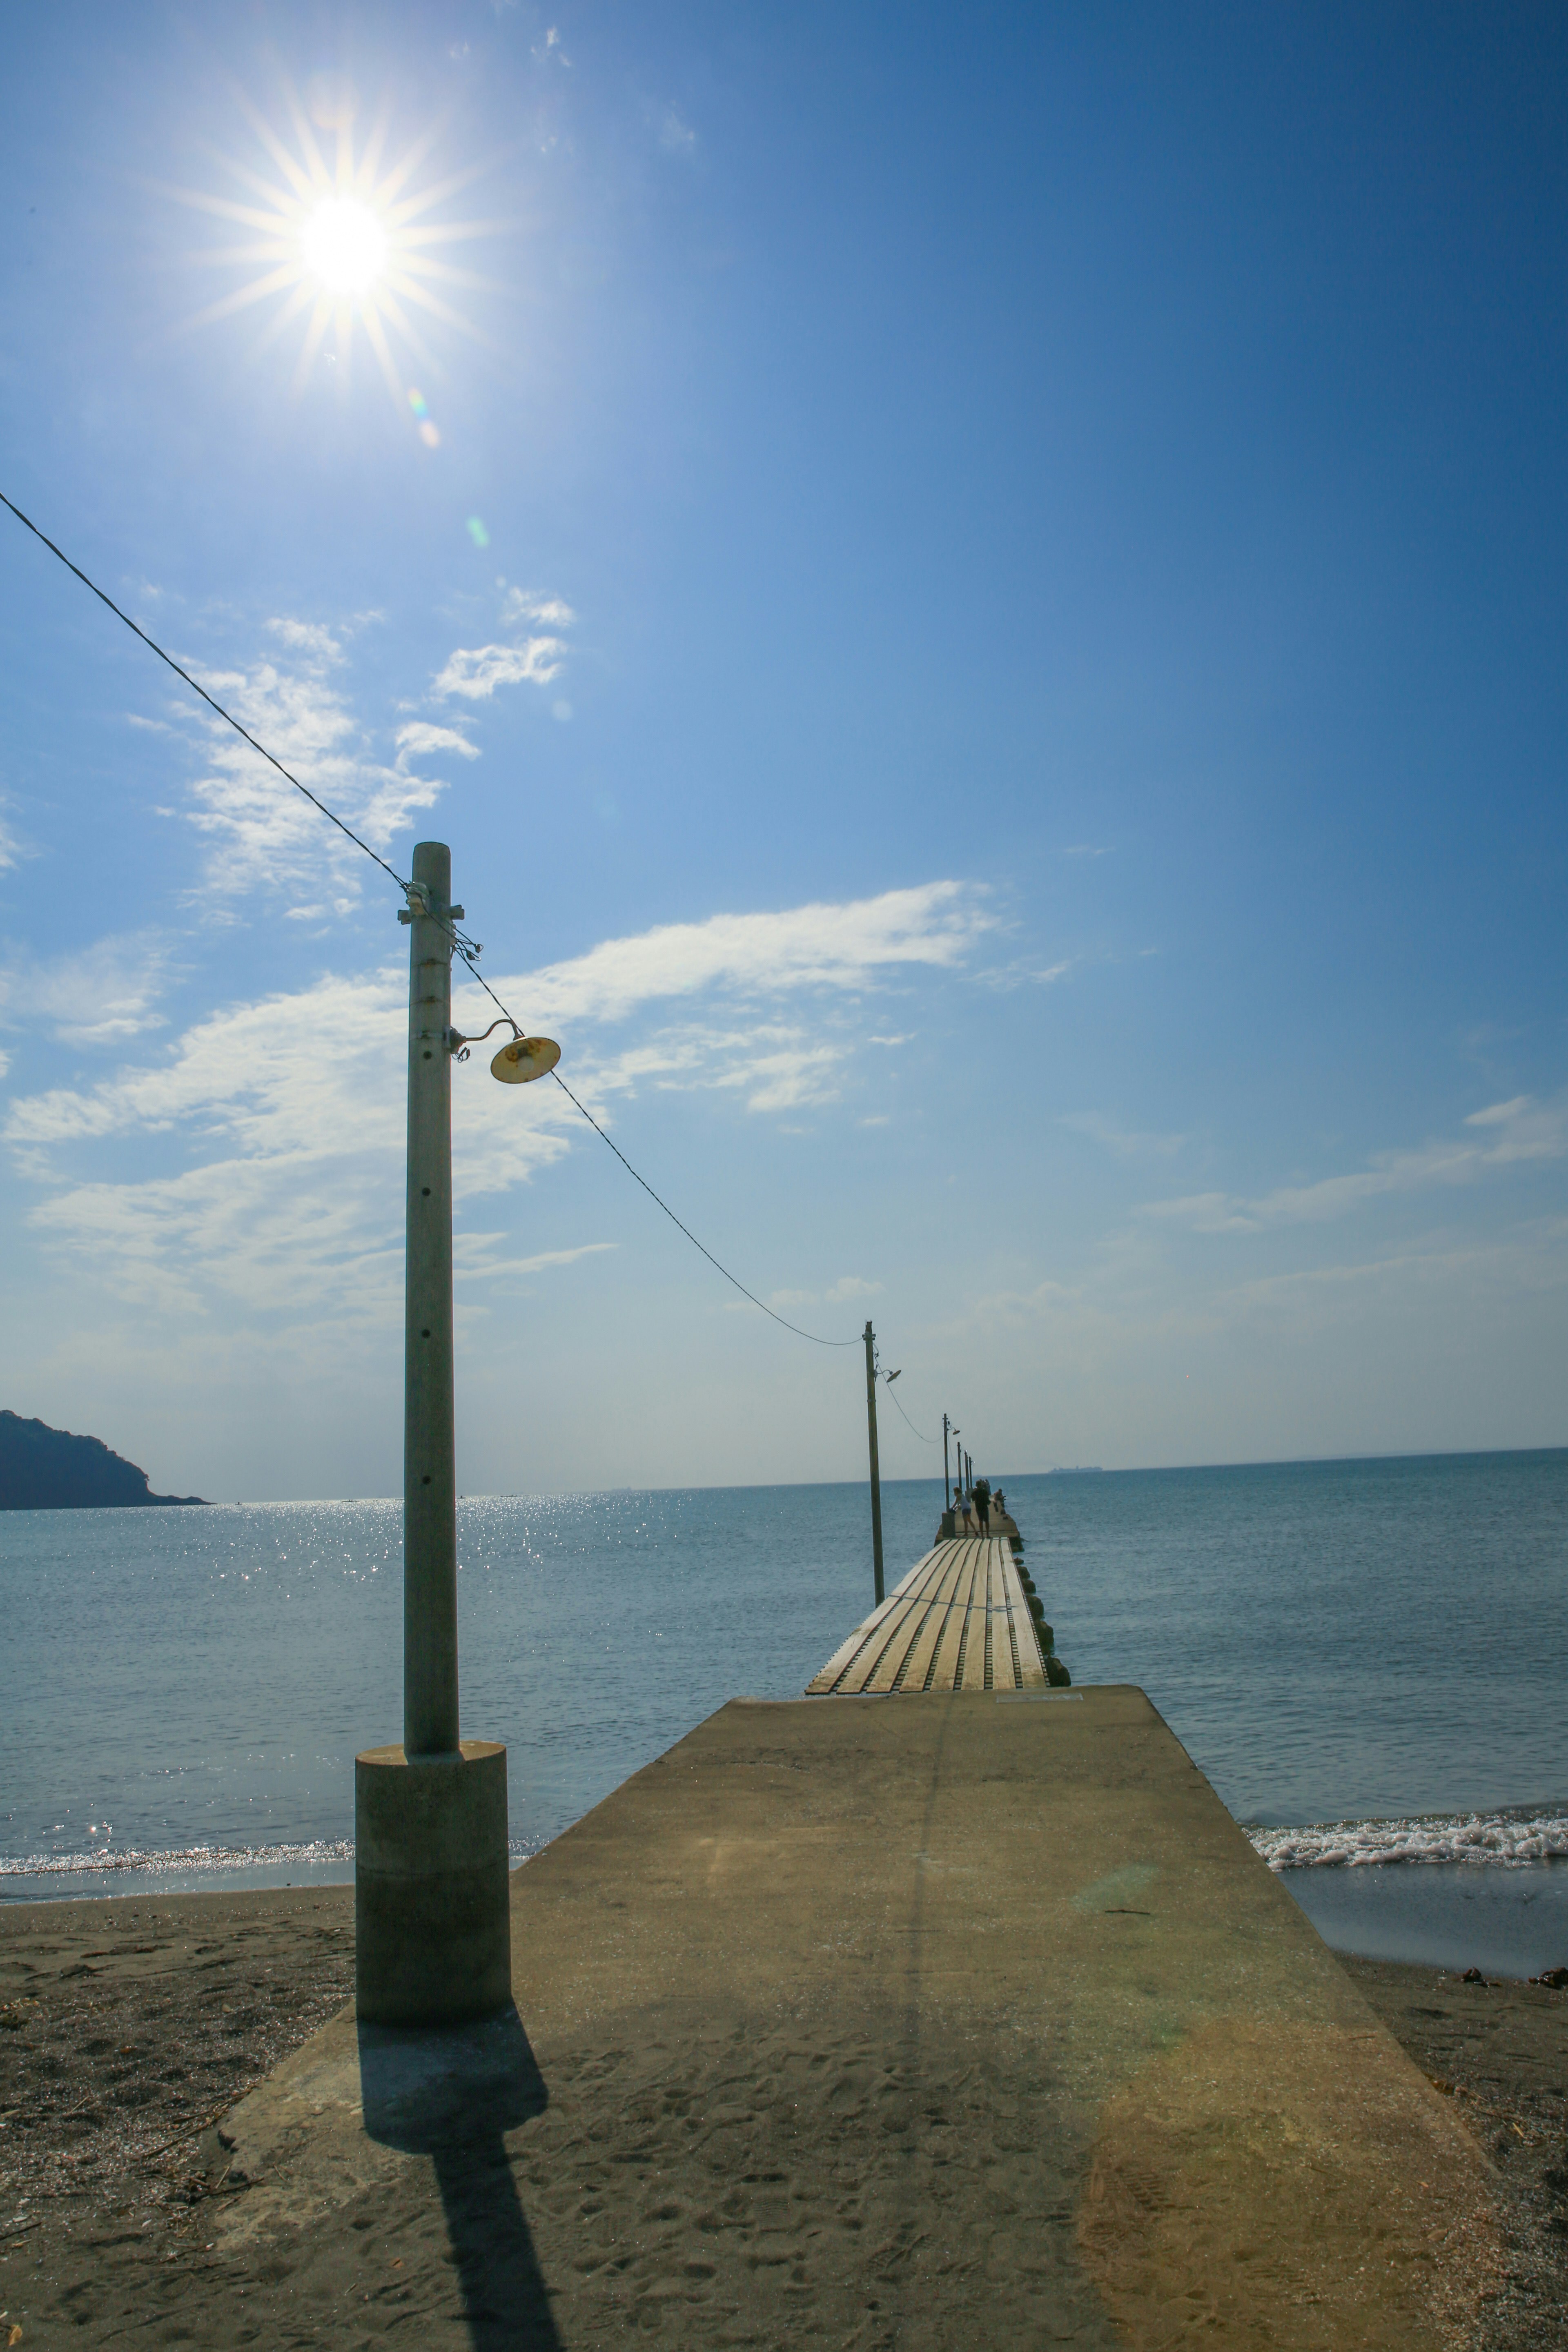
(1504, 1135)
(419, 740)
(525, 605)
(475, 672)
(287, 1113)
(818, 946)
(1022, 974)
(262, 832)
(99, 994)
(1127, 1143)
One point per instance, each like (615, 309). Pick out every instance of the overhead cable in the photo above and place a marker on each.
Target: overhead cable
(466, 948)
(924, 1441)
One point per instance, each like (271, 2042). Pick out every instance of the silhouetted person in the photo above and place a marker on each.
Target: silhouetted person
(983, 1504)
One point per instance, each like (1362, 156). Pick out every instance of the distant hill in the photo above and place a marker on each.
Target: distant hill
(45, 1469)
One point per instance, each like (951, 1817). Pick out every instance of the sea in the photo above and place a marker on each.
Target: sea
(1368, 1659)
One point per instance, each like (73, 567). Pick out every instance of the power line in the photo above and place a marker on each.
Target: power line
(924, 1441)
(690, 1236)
(467, 949)
(228, 716)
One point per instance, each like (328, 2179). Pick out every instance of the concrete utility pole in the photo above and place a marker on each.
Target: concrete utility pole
(432, 1915)
(946, 1481)
(429, 1420)
(876, 1470)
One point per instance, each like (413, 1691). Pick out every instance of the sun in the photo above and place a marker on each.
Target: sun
(343, 246)
(341, 242)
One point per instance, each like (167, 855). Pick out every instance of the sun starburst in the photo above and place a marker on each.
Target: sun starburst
(342, 243)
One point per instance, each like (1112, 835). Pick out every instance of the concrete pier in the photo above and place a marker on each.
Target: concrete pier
(968, 2018)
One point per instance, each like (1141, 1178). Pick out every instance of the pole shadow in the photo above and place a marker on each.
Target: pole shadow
(452, 2096)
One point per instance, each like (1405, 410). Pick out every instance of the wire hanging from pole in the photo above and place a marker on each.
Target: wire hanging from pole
(924, 1441)
(466, 948)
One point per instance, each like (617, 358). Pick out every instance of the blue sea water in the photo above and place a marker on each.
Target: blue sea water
(1354, 1642)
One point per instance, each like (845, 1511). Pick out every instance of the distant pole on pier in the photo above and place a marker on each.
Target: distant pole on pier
(875, 1468)
(946, 1481)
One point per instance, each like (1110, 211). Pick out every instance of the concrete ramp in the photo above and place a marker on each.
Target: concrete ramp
(962, 2019)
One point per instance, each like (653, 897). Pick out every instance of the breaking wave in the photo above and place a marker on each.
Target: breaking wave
(178, 1858)
(106, 1861)
(1507, 1841)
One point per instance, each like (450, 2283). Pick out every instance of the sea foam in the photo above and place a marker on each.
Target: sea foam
(1507, 1840)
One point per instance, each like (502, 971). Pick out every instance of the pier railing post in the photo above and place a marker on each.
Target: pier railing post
(875, 1467)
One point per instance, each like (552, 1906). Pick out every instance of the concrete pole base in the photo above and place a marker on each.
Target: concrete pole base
(432, 1906)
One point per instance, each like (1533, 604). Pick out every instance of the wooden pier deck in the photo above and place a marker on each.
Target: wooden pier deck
(958, 1621)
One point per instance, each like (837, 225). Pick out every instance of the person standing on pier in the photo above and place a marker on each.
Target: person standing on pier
(983, 1504)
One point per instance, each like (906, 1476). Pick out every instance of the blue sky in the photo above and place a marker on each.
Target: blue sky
(982, 610)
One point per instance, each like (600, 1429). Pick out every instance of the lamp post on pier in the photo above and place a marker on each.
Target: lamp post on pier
(432, 1904)
(875, 1467)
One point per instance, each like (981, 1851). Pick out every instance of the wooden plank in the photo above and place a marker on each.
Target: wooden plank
(945, 1675)
(980, 1601)
(889, 1629)
(1001, 1674)
(1034, 1673)
(906, 1629)
(828, 1676)
(943, 1587)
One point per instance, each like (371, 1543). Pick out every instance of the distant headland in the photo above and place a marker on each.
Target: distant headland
(45, 1469)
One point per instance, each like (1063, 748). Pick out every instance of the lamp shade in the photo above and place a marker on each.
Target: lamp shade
(525, 1058)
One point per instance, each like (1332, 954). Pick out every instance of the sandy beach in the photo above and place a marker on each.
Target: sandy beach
(131, 2026)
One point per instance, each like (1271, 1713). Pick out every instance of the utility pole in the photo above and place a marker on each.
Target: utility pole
(432, 1909)
(429, 1423)
(876, 1470)
(946, 1482)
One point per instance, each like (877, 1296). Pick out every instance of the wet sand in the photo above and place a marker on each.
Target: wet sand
(128, 2028)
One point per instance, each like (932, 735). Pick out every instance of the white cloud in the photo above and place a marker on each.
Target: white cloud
(418, 739)
(818, 946)
(1022, 973)
(522, 604)
(850, 1286)
(1503, 1135)
(10, 848)
(284, 1118)
(94, 995)
(1126, 1143)
(474, 673)
(292, 1111)
(470, 1260)
(676, 137)
(263, 833)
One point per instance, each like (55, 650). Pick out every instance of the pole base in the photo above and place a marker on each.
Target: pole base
(431, 1905)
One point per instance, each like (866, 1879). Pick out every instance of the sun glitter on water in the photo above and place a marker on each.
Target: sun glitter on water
(342, 243)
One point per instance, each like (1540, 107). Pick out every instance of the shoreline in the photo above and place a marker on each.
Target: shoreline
(1508, 1919)
(130, 2025)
